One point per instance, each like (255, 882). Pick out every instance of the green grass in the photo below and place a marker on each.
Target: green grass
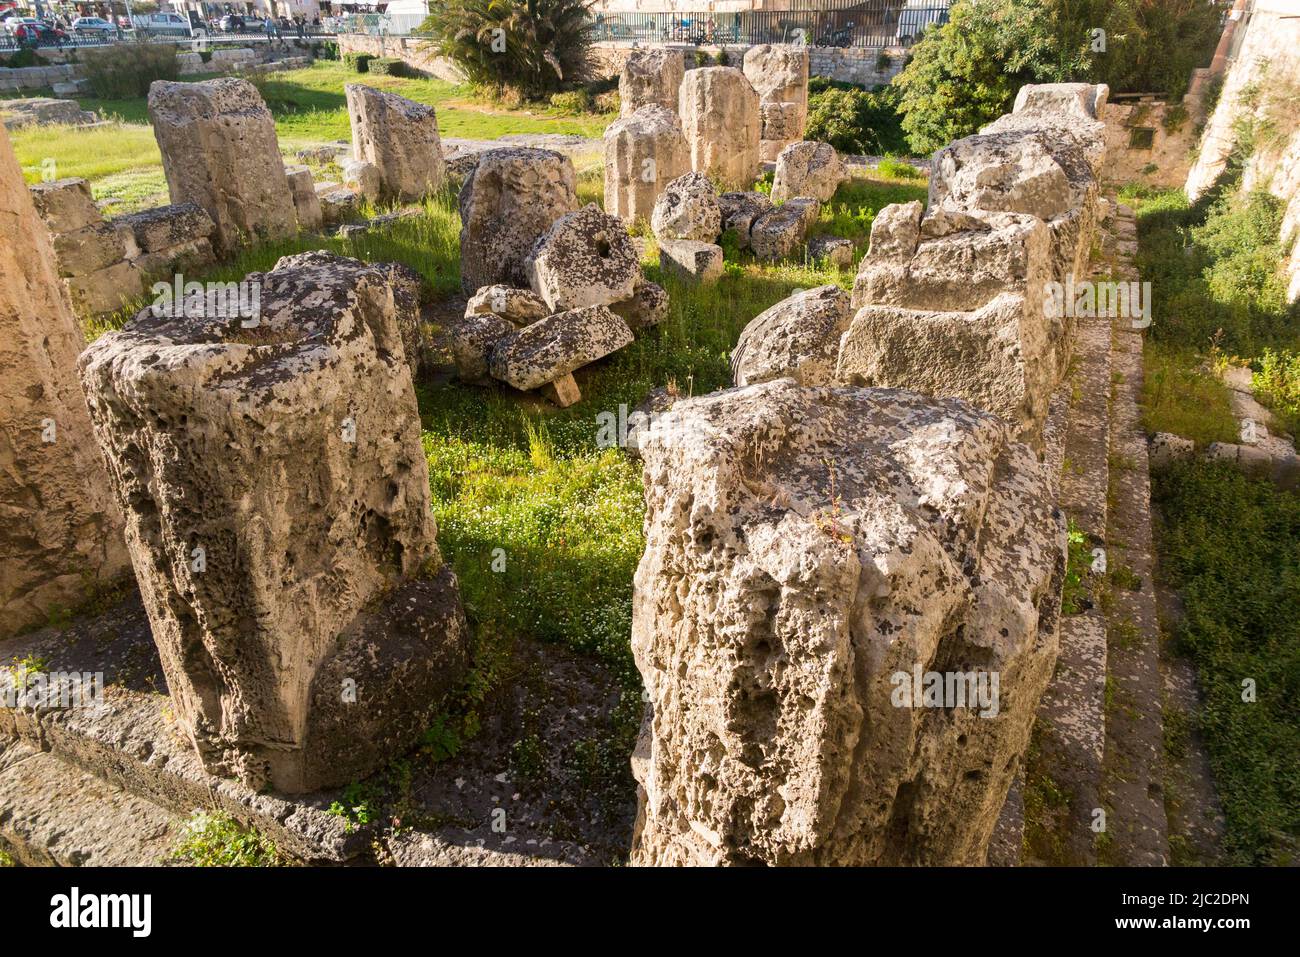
(1181, 396)
(123, 164)
(1231, 546)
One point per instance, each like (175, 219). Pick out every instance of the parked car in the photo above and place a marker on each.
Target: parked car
(93, 26)
(166, 25)
(232, 23)
(13, 24)
(39, 33)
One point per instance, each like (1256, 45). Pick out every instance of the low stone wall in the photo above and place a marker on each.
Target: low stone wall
(869, 66)
(407, 49)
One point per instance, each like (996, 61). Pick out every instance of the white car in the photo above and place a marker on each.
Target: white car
(166, 24)
(93, 25)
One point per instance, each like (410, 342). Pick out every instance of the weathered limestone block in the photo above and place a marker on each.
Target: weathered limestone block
(650, 78)
(832, 250)
(65, 205)
(305, 201)
(337, 203)
(43, 111)
(165, 263)
(807, 169)
(1071, 111)
(219, 150)
(688, 208)
(896, 230)
(400, 137)
(105, 290)
(472, 342)
(278, 519)
(739, 210)
(691, 261)
(779, 72)
(798, 338)
(783, 124)
(809, 553)
(521, 307)
(719, 111)
(94, 247)
(510, 198)
(363, 176)
(586, 258)
(163, 227)
(644, 152)
(60, 530)
(780, 233)
(557, 345)
(647, 307)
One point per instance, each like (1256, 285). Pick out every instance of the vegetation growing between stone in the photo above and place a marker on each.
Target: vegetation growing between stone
(215, 839)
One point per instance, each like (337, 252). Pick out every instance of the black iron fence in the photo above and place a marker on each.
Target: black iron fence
(11, 44)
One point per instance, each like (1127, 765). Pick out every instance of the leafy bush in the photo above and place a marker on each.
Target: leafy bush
(1277, 384)
(572, 102)
(896, 169)
(326, 50)
(23, 58)
(608, 102)
(856, 121)
(388, 66)
(534, 46)
(124, 71)
(359, 61)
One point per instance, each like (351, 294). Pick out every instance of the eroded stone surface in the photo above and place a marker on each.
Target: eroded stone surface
(803, 548)
(799, 338)
(519, 306)
(644, 152)
(586, 258)
(647, 307)
(510, 198)
(779, 234)
(688, 208)
(219, 150)
(739, 210)
(400, 137)
(721, 121)
(299, 652)
(61, 534)
(690, 260)
(472, 342)
(650, 78)
(807, 169)
(557, 345)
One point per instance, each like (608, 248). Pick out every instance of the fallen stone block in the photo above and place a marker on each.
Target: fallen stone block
(807, 169)
(722, 125)
(305, 201)
(472, 342)
(163, 227)
(105, 290)
(780, 233)
(691, 261)
(400, 138)
(798, 338)
(585, 258)
(93, 248)
(648, 306)
(563, 392)
(520, 306)
(688, 208)
(65, 205)
(557, 345)
(644, 152)
(739, 210)
(832, 250)
(650, 78)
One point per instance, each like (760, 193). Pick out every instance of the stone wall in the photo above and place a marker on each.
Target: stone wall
(1148, 142)
(1262, 77)
(868, 66)
(407, 49)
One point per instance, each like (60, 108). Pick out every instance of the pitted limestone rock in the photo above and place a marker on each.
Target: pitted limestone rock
(798, 338)
(557, 345)
(780, 233)
(472, 342)
(778, 72)
(722, 124)
(400, 137)
(834, 251)
(305, 201)
(807, 169)
(219, 150)
(163, 227)
(690, 260)
(739, 210)
(650, 78)
(520, 306)
(279, 521)
(783, 124)
(806, 547)
(688, 208)
(644, 152)
(586, 258)
(509, 200)
(65, 204)
(647, 307)
(61, 532)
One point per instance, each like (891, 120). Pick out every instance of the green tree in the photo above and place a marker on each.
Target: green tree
(535, 47)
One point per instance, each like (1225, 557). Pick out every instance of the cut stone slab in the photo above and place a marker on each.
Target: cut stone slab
(563, 392)
(93, 248)
(163, 227)
(557, 345)
(798, 338)
(65, 204)
(56, 815)
(305, 201)
(326, 647)
(400, 138)
(509, 200)
(688, 208)
(691, 261)
(585, 258)
(363, 176)
(219, 150)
